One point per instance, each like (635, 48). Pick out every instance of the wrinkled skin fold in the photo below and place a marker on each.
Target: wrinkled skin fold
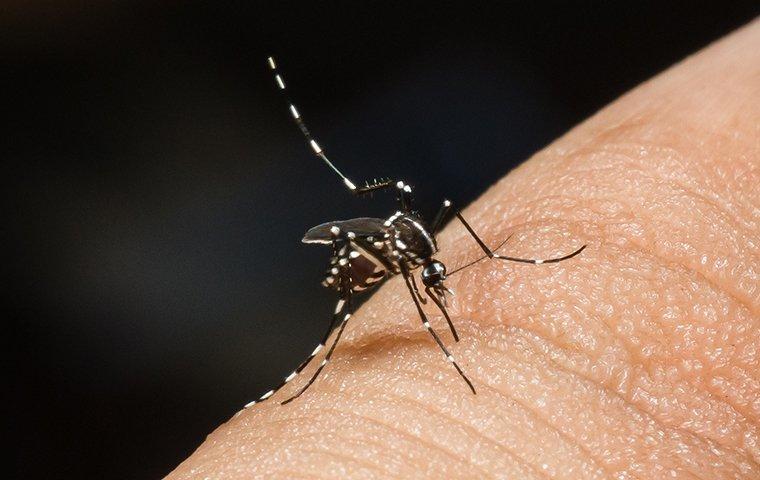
(638, 358)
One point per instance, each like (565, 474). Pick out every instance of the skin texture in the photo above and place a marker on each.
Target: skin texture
(637, 359)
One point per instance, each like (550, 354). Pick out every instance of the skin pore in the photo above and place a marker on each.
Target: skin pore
(638, 358)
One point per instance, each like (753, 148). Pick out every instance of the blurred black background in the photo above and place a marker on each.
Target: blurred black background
(158, 191)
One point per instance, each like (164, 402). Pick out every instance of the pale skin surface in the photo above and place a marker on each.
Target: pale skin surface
(640, 358)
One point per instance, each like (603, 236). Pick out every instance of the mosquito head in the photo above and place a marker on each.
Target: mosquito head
(434, 274)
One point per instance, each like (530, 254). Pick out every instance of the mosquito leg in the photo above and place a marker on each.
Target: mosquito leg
(338, 311)
(344, 305)
(343, 324)
(426, 323)
(440, 217)
(404, 196)
(478, 260)
(340, 307)
(490, 254)
(318, 151)
(416, 291)
(537, 261)
(443, 310)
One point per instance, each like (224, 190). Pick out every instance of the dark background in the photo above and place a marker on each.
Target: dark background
(158, 190)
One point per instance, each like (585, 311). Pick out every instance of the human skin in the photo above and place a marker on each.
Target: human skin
(636, 359)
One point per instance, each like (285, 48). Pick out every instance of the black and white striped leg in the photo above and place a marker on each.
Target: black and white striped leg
(318, 151)
(478, 260)
(440, 217)
(416, 290)
(433, 295)
(345, 306)
(339, 245)
(341, 249)
(339, 314)
(490, 254)
(405, 273)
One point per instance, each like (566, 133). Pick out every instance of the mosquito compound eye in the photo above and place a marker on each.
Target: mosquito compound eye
(433, 273)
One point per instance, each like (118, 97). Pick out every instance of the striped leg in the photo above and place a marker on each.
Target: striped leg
(440, 217)
(342, 309)
(343, 304)
(318, 151)
(341, 253)
(339, 308)
(426, 323)
(416, 290)
(404, 196)
(490, 254)
(478, 260)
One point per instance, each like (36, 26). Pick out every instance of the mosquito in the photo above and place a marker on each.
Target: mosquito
(368, 250)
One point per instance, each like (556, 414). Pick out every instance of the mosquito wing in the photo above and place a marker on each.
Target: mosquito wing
(361, 227)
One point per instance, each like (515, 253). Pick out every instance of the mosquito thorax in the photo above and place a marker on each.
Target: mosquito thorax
(433, 273)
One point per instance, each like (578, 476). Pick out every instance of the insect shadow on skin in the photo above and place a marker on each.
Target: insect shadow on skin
(367, 250)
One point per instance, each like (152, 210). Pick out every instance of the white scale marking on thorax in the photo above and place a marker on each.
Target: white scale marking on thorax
(392, 218)
(379, 267)
(425, 234)
(417, 225)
